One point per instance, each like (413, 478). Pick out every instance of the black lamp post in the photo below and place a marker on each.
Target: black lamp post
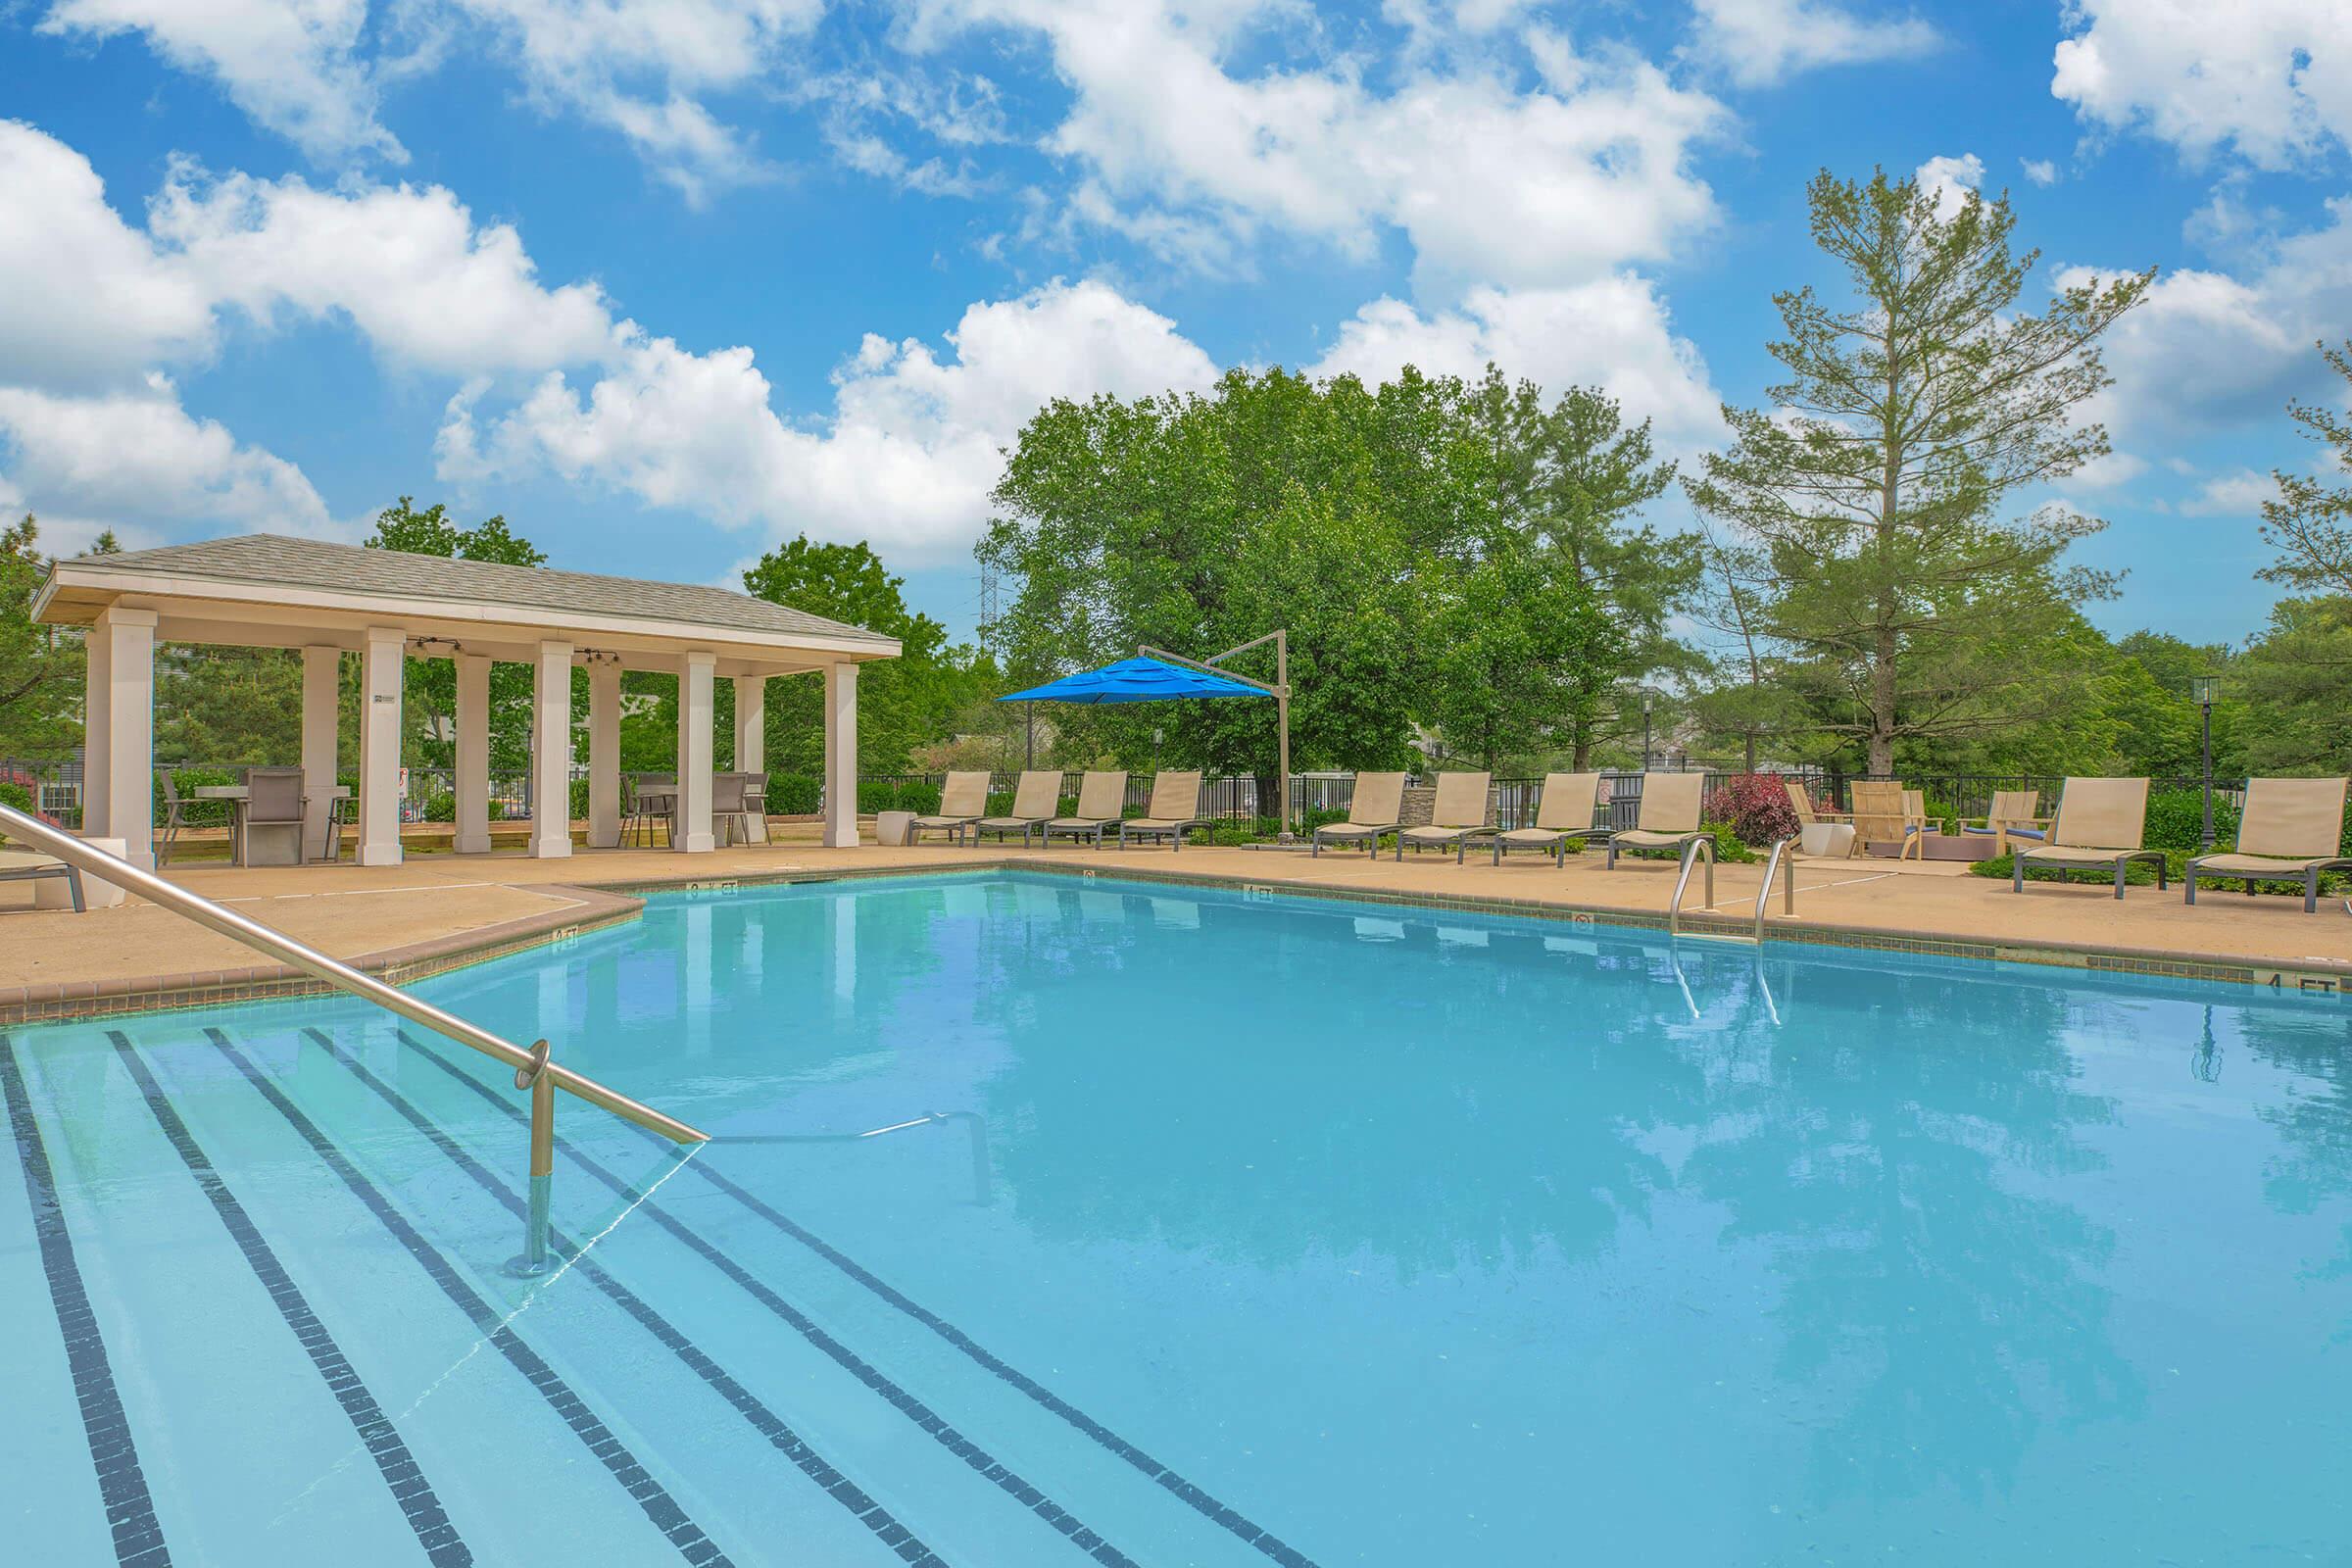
(2201, 690)
(1645, 711)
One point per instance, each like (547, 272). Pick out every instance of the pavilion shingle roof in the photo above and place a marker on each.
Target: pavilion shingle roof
(276, 559)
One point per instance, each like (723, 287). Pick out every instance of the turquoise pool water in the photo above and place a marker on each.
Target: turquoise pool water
(1053, 1220)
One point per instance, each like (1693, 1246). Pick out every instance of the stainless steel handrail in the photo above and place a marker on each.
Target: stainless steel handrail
(1785, 864)
(1699, 848)
(531, 1067)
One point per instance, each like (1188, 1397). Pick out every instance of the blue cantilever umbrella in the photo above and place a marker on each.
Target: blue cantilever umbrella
(1136, 680)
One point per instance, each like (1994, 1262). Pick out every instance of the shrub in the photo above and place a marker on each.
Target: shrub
(188, 780)
(2176, 820)
(17, 790)
(1754, 807)
(793, 795)
(1730, 848)
(579, 798)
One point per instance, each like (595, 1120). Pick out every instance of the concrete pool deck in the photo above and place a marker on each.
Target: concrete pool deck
(439, 911)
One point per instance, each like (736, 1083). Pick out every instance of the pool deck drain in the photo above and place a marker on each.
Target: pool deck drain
(440, 912)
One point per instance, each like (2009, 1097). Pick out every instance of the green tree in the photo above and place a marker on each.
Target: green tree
(2310, 523)
(40, 667)
(901, 703)
(1575, 478)
(1874, 482)
(1518, 635)
(1198, 522)
(2296, 683)
(430, 685)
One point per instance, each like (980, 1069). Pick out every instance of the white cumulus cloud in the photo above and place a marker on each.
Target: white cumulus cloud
(2270, 78)
(1950, 179)
(1760, 42)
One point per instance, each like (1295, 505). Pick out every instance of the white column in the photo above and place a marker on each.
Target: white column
(751, 738)
(97, 693)
(382, 661)
(321, 679)
(603, 754)
(129, 638)
(472, 780)
(841, 755)
(694, 704)
(551, 754)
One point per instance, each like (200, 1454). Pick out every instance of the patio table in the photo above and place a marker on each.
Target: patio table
(236, 795)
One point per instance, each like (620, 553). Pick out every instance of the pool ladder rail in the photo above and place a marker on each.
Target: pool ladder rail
(1782, 862)
(533, 1071)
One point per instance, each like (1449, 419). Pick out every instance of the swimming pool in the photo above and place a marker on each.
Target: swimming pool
(1051, 1219)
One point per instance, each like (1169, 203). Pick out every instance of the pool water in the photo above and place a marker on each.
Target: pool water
(1051, 1220)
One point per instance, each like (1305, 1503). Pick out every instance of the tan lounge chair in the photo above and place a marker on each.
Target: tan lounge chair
(2014, 814)
(2100, 822)
(2290, 831)
(21, 866)
(1669, 816)
(962, 800)
(1570, 808)
(1801, 801)
(1884, 813)
(1102, 797)
(1175, 811)
(1372, 813)
(1458, 816)
(1034, 801)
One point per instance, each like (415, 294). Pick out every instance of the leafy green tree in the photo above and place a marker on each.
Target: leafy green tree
(430, 688)
(2295, 680)
(1518, 635)
(1575, 478)
(228, 707)
(2310, 523)
(901, 703)
(40, 667)
(1198, 522)
(1874, 482)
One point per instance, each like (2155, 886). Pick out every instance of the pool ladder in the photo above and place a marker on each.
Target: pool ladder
(1701, 851)
(533, 1071)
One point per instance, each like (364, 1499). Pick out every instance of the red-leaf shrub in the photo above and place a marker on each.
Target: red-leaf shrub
(1755, 803)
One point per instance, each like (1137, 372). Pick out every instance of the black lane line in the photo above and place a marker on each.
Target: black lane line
(765, 1421)
(698, 1549)
(443, 1547)
(121, 1485)
(1199, 1500)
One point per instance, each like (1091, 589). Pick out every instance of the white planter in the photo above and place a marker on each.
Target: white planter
(56, 892)
(891, 827)
(1829, 841)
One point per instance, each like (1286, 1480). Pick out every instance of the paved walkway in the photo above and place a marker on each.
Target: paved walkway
(421, 915)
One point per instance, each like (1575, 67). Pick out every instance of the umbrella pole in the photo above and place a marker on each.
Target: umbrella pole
(1282, 725)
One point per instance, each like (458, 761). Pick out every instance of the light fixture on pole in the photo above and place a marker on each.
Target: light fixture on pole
(2201, 691)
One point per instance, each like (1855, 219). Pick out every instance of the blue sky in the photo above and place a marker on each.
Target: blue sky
(666, 282)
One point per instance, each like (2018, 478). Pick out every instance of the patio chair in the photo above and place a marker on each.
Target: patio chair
(2013, 815)
(1818, 830)
(1174, 811)
(1034, 801)
(2100, 822)
(1372, 812)
(962, 800)
(1458, 816)
(651, 799)
(175, 817)
(1102, 797)
(17, 866)
(2290, 831)
(1570, 808)
(735, 797)
(1884, 813)
(1668, 823)
(272, 808)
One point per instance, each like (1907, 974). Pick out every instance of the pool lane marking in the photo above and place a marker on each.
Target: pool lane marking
(941, 1430)
(418, 1504)
(765, 1421)
(664, 1510)
(1201, 1501)
(121, 1485)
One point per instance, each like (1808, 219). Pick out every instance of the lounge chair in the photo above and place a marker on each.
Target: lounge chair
(17, 867)
(2100, 822)
(1174, 811)
(1570, 808)
(1102, 797)
(2290, 831)
(1459, 815)
(1372, 813)
(1034, 801)
(1886, 812)
(1669, 816)
(962, 800)
(2013, 815)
